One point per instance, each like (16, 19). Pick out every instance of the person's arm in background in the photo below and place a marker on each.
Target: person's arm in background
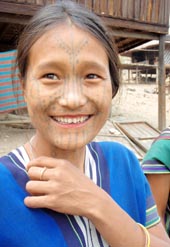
(160, 185)
(156, 166)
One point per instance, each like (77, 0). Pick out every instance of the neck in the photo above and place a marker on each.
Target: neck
(37, 147)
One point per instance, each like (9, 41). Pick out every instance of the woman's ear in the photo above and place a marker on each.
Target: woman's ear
(24, 94)
(22, 83)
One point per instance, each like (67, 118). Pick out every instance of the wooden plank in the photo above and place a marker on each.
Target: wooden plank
(147, 143)
(88, 4)
(124, 9)
(11, 1)
(19, 9)
(130, 9)
(22, 1)
(134, 35)
(135, 148)
(136, 9)
(161, 12)
(115, 8)
(119, 8)
(96, 6)
(49, 1)
(112, 132)
(141, 13)
(130, 24)
(145, 4)
(146, 138)
(161, 85)
(155, 11)
(16, 121)
(141, 133)
(104, 7)
(149, 10)
(110, 7)
(15, 19)
(138, 66)
(40, 2)
(130, 45)
(167, 11)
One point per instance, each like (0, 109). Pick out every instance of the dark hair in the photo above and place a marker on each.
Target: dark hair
(60, 12)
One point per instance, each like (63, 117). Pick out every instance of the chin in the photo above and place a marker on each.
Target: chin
(72, 143)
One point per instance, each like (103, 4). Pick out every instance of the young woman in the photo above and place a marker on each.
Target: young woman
(61, 189)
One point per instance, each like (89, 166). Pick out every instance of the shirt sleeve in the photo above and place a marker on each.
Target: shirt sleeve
(152, 217)
(154, 167)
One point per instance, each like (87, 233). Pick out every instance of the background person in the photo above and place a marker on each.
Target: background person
(156, 165)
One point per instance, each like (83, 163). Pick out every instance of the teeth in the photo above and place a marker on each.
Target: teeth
(65, 120)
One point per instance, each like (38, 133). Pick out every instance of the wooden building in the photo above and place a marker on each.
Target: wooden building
(144, 61)
(131, 22)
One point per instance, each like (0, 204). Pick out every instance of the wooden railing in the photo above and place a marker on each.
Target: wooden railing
(145, 11)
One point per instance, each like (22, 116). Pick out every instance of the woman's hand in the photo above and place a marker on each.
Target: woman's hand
(61, 187)
(65, 189)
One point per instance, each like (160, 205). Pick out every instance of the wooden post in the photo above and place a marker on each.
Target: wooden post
(137, 79)
(161, 85)
(128, 76)
(146, 76)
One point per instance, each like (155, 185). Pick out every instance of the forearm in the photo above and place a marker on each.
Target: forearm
(117, 227)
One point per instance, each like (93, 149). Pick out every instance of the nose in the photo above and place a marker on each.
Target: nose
(73, 96)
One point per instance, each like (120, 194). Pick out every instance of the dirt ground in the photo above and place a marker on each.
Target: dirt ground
(139, 102)
(135, 102)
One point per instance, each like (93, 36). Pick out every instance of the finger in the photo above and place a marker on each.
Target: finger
(45, 162)
(36, 201)
(39, 173)
(38, 187)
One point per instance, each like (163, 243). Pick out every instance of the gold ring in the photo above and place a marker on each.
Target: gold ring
(42, 172)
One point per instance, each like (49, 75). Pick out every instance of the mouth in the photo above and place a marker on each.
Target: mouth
(72, 120)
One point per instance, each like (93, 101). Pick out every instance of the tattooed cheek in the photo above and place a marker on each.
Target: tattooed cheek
(58, 92)
(53, 107)
(44, 103)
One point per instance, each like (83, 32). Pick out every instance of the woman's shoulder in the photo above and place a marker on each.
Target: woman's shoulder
(13, 168)
(113, 147)
(116, 153)
(14, 160)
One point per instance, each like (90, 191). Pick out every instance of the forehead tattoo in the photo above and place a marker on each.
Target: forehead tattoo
(73, 51)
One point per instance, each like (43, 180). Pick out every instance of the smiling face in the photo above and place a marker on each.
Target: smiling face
(68, 87)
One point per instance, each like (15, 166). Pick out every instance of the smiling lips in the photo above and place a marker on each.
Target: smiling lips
(71, 119)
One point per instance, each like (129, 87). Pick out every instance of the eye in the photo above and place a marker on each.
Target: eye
(51, 76)
(92, 76)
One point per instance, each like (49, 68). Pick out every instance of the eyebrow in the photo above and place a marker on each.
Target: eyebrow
(54, 65)
(93, 65)
(62, 66)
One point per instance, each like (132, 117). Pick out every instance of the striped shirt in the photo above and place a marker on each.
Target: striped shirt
(108, 165)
